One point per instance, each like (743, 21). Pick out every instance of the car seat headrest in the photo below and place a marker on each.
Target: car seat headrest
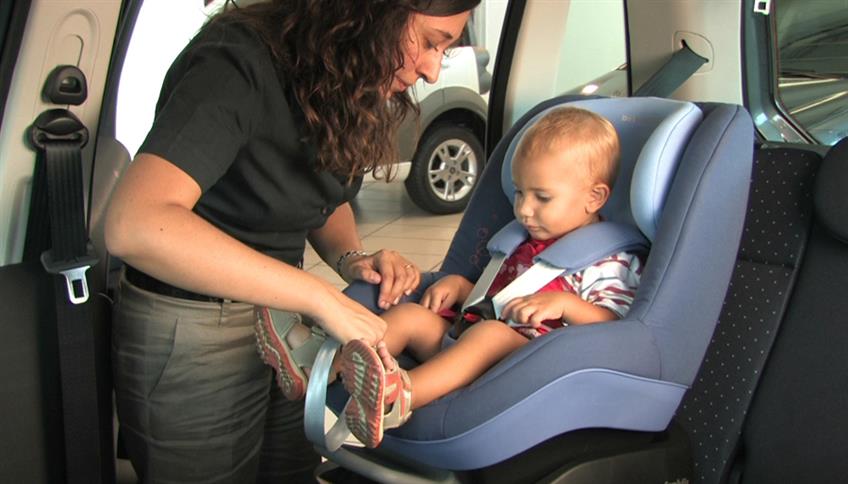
(831, 204)
(653, 134)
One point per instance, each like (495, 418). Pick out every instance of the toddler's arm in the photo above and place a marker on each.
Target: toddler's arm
(567, 307)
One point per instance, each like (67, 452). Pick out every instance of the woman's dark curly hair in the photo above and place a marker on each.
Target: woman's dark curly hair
(340, 57)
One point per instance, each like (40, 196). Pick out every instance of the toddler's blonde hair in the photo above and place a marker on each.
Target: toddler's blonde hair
(586, 136)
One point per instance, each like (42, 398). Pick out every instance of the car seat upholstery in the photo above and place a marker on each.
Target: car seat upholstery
(796, 430)
(627, 374)
(770, 254)
(768, 404)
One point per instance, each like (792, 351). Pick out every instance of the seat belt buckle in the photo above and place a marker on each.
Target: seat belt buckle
(73, 270)
(484, 309)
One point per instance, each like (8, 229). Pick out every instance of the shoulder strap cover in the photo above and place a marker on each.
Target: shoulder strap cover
(571, 253)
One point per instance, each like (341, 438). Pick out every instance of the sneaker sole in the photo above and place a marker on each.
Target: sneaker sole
(272, 350)
(363, 376)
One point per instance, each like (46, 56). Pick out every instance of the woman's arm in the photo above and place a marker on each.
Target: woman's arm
(395, 274)
(150, 225)
(336, 237)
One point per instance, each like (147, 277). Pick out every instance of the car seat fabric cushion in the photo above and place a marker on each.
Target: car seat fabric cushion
(796, 428)
(830, 200)
(692, 257)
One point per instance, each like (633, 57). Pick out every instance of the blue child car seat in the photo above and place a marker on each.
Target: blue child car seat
(683, 182)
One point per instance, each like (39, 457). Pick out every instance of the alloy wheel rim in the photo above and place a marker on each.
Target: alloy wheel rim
(452, 170)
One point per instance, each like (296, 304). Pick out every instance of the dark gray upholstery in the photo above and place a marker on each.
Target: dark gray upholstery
(775, 234)
(830, 200)
(796, 430)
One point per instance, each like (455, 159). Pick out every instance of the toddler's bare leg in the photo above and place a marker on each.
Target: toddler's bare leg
(481, 346)
(414, 328)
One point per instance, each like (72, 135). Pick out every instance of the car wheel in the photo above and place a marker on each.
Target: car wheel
(445, 169)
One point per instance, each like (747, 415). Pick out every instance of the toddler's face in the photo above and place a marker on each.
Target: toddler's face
(554, 195)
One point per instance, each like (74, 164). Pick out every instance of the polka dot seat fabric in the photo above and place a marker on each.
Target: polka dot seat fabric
(776, 231)
(796, 429)
(769, 402)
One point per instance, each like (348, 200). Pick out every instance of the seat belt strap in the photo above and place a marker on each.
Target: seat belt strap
(569, 254)
(484, 282)
(533, 279)
(672, 74)
(59, 138)
(500, 246)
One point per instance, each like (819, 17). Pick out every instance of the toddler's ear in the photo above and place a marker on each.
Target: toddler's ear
(598, 195)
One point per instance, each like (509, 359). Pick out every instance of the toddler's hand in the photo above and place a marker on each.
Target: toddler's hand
(445, 292)
(532, 310)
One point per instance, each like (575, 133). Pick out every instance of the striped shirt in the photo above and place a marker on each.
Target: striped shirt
(610, 283)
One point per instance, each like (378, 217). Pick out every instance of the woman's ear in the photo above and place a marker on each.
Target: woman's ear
(598, 195)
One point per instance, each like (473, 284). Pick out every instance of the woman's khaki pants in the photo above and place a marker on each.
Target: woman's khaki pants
(195, 401)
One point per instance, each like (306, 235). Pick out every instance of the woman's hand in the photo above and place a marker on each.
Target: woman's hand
(445, 292)
(345, 319)
(396, 275)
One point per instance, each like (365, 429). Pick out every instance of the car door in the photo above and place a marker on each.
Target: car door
(39, 442)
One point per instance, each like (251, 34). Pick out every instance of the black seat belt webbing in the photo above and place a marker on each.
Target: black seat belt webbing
(59, 137)
(672, 74)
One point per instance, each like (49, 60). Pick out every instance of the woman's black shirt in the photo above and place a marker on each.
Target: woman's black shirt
(226, 118)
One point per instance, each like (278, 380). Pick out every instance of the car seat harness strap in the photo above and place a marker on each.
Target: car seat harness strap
(572, 253)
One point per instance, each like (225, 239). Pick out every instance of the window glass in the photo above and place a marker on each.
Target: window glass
(812, 63)
(162, 29)
(594, 40)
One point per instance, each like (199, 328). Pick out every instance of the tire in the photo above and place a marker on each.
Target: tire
(445, 169)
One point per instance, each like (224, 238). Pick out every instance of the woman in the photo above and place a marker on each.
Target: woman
(265, 125)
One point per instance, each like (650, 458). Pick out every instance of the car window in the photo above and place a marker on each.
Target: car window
(811, 65)
(162, 29)
(593, 55)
